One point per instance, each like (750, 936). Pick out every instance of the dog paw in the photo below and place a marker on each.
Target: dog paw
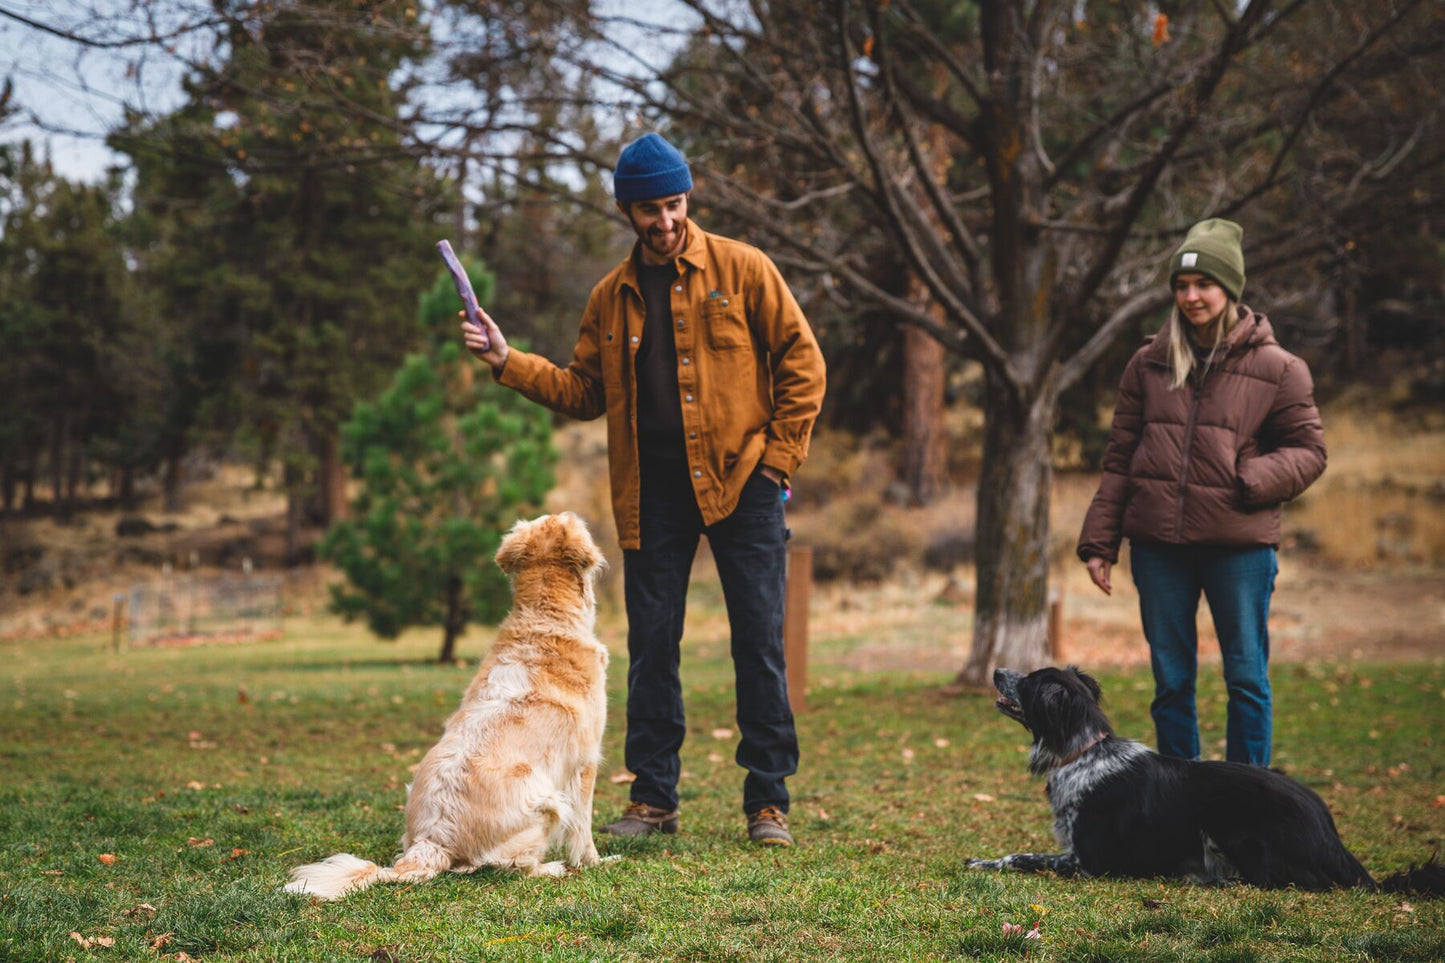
(557, 868)
(613, 858)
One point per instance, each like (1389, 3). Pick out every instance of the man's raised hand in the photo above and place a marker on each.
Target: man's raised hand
(488, 344)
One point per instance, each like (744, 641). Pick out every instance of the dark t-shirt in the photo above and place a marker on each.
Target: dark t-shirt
(659, 412)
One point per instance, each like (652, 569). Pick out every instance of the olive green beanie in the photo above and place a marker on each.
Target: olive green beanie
(1213, 247)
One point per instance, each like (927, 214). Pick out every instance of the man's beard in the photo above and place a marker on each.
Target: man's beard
(663, 245)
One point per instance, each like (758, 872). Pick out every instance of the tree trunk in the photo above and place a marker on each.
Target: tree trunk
(295, 509)
(125, 488)
(331, 479)
(456, 621)
(57, 464)
(74, 473)
(923, 467)
(32, 468)
(1010, 626)
(171, 483)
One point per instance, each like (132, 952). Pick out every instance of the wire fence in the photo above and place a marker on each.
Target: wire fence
(187, 608)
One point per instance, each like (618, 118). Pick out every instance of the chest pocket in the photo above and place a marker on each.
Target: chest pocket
(614, 355)
(725, 323)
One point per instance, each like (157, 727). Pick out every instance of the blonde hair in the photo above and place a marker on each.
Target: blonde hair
(1182, 359)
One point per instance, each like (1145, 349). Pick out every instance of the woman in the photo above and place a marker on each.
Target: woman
(1214, 428)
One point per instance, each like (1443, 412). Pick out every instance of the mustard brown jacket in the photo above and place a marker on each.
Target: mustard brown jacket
(750, 374)
(1209, 463)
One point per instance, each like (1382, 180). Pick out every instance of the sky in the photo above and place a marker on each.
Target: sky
(70, 96)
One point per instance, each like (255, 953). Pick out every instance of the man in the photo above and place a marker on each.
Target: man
(711, 379)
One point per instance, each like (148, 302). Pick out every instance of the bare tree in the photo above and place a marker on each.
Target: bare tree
(1029, 161)
(1034, 162)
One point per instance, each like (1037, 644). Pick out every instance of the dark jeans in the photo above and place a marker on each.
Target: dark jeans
(749, 548)
(1238, 583)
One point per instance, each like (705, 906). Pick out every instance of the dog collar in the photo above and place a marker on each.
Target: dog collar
(1073, 757)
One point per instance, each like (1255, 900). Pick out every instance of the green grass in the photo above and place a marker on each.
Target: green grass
(208, 772)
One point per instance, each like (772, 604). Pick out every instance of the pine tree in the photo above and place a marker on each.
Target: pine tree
(448, 462)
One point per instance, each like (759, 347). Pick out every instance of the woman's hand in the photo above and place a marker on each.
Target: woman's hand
(1099, 571)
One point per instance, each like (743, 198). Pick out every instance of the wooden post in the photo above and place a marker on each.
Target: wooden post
(1056, 623)
(117, 621)
(795, 625)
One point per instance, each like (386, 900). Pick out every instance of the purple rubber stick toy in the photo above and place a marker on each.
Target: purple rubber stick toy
(464, 287)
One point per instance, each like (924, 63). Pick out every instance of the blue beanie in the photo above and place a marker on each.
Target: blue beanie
(650, 167)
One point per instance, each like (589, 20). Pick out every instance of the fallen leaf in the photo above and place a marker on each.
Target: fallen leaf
(200, 843)
(1440, 802)
(52, 872)
(237, 853)
(983, 797)
(1161, 30)
(92, 941)
(182, 957)
(714, 757)
(1041, 910)
(106, 859)
(161, 942)
(195, 784)
(139, 909)
(722, 733)
(1404, 908)
(941, 743)
(623, 777)
(908, 755)
(823, 814)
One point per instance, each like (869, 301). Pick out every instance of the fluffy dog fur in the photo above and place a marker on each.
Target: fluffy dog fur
(1122, 810)
(514, 772)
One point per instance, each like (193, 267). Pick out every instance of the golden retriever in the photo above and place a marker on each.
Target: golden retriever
(514, 772)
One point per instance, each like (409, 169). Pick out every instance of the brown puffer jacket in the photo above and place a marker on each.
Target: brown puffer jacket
(1212, 462)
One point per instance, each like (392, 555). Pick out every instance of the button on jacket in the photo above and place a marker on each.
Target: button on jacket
(1209, 463)
(749, 371)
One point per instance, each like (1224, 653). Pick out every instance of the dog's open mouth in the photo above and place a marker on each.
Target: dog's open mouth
(1009, 708)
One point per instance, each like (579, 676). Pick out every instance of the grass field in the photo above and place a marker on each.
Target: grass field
(153, 800)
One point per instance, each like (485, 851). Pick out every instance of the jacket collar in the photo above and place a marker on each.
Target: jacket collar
(1251, 331)
(694, 255)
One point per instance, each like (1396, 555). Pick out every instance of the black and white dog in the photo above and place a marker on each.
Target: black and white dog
(1122, 810)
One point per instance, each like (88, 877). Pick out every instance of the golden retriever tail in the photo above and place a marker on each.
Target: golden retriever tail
(344, 874)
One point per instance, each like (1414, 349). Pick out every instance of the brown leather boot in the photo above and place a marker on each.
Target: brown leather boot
(769, 827)
(640, 819)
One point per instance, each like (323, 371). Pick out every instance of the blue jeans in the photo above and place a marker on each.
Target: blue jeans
(1238, 583)
(750, 549)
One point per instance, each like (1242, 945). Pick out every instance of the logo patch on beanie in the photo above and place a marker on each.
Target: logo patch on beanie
(1188, 259)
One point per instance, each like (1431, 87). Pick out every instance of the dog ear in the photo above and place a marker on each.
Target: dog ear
(515, 548)
(1089, 683)
(578, 549)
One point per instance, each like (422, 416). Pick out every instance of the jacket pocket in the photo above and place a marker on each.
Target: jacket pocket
(1242, 457)
(725, 325)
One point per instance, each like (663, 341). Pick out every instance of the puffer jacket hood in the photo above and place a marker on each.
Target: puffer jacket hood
(1211, 462)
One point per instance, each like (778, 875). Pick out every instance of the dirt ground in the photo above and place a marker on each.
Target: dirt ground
(913, 620)
(1315, 614)
(922, 624)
